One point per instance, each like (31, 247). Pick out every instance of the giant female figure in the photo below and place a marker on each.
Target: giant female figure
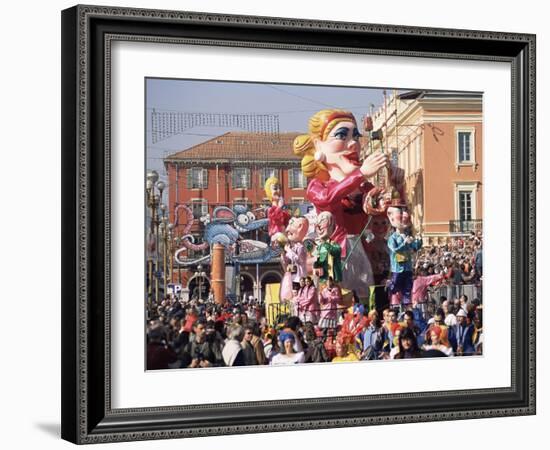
(338, 184)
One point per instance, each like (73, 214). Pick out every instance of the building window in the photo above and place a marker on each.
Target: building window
(266, 173)
(197, 178)
(465, 201)
(241, 178)
(464, 205)
(199, 207)
(465, 146)
(296, 179)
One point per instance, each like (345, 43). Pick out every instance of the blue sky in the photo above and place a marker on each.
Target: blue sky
(292, 104)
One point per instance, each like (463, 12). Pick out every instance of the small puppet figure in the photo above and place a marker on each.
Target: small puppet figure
(278, 216)
(329, 298)
(294, 256)
(295, 298)
(328, 253)
(377, 248)
(401, 245)
(308, 302)
(379, 256)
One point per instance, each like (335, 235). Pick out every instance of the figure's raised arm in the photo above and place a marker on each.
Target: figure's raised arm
(324, 195)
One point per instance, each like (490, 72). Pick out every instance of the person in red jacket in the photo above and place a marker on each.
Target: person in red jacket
(159, 354)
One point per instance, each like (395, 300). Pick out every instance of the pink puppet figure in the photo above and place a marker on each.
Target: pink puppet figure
(420, 289)
(338, 183)
(294, 256)
(278, 217)
(308, 302)
(329, 298)
(295, 298)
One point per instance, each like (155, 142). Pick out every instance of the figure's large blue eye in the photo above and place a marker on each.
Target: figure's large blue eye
(341, 135)
(243, 219)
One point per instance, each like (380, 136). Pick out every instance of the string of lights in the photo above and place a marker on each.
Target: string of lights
(167, 124)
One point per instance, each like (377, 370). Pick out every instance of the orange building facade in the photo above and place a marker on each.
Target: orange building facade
(436, 138)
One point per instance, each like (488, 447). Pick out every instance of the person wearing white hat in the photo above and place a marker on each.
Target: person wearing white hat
(463, 333)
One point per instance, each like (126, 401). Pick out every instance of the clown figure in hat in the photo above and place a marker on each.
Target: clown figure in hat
(328, 254)
(402, 246)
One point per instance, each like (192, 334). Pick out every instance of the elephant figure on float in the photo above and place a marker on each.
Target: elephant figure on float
(225, 227)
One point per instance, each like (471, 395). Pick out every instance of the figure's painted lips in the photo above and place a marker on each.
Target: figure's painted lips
(353, 157)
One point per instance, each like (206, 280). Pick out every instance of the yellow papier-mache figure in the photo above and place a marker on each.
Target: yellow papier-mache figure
(278, 216)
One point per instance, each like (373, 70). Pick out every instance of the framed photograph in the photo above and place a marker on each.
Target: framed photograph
(248, 201)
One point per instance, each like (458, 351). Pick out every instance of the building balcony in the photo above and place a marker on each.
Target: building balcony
(465, 226)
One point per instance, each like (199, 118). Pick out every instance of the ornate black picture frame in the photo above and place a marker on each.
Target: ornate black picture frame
(87, 35)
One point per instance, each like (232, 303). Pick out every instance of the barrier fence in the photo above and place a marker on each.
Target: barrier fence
(277, 313)
(451, 292)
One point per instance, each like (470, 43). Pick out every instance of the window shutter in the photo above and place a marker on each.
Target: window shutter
(241, 178)
(464, 146)
(189, 178)
(205, 178)
(247, 178)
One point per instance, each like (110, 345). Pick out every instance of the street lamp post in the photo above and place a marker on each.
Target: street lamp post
(154, 189)
(170, 240)
(166, 238)
(160, 186)
(152, 204)
(162, 239)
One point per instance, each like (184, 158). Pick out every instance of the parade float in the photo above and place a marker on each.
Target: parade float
(355, 193)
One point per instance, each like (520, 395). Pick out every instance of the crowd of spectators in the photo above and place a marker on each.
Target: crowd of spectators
(200, 333)
(460, 261)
